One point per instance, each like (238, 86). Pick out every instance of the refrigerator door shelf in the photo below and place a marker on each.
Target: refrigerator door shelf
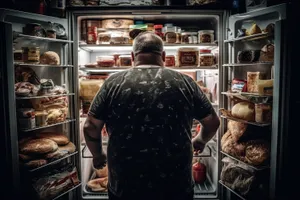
(251, 97)
(20, 37)
(248, 64)
(254, 37)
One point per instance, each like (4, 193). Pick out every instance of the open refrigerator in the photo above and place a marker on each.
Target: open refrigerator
(83, 78)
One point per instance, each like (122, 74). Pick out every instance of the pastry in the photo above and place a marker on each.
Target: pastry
(50, 58)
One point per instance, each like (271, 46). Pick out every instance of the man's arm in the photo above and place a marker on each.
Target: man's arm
(92, 133)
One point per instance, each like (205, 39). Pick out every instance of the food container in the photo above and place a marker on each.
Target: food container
(117, 23)
(158, 30)
(41, 118)
(18, 56)
(170, 35)
(51, 33)
(105, 61)
(26, 118)
(150, 26)
(125, 61)
(188, 57)
(104, 36)
(238, 85)
(189, 38)
(178, 34)
(32, 54)
(170, 61)
(118, 37)
(263, 113)
(206, 57)
(117, 59)
(34, 30)
(206, 36)
(265, 87)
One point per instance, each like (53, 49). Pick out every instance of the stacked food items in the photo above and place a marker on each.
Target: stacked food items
(255, 29)
(99, 181)
(42, 148)
(39, 111)
(115, 2)
(32, 55)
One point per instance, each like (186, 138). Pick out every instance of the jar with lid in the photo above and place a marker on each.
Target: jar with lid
(170, 61)
(206, 57)
(158, 30)
(178, 34)
(33, 54)
(170, 35)
(150, 26)
(188, 57)
(105, 61)
(125, 61)
(206, 36)
(104, 36)
(189, 38)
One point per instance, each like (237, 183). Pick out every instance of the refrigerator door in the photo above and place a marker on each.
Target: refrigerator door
(8, 137)
(235, 68)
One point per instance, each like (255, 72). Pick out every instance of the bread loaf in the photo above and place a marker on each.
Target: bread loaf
(59, 138)
(252, 81)
(230, 146)
(35, 163)
(267, 53)
(257, 152)
(244, 110)
(38, 146)
(237, 129)
(70, 147)
(50, 58)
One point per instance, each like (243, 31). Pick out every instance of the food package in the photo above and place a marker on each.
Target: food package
(57, 115)
(252, 81)
(26, 89)
(26, 74)
(50, 102)
(231, 146)
(265, 87)
(263, 113)
(254, 29)
(244, 110)
(267, 53)
(89, 88)
(248, 56)
(237, 176)
(257, 152)
(187, 57)
(238, 85)
(50, 58)
(116, 23)
(53, 183)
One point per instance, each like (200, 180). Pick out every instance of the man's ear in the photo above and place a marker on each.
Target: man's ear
(132, 56)
(163, 56)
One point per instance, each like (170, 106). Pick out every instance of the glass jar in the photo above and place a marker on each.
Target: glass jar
(104, 36)
(41, 118)
(206, 36)
(170, 35)
(125, 61)
(170, 61)
(150, 27)
(33, 55)
(188, 57)
(105, 61)
(158, 30)
(189, 38)
(206, 57)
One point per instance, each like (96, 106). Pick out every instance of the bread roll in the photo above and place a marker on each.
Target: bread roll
(267, 53)
(38, 146)
(59, 138)
(50, 58)
(70, 147)
(243, 110)
(98, 185)
(35, 163)
(102, 172)
(237, 129)
(257, 152)
(252, 81)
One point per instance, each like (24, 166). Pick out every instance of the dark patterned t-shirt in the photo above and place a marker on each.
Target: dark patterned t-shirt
(148, 112)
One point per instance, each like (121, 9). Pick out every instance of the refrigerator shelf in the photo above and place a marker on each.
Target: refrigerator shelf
(128, 47)
(237, 194)
(19, 37)
(246, 122)
(51, 125)
(66, 192)
(53, 162)
(258, 36)
(247, 64)
(257, 168)
(251, 97)
(41, 65)
(45, 96)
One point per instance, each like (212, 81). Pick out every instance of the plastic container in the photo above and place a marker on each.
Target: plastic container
(189, 38)
(206, 57)
(206, 36)
(34, 54)
(104, 36)
(105, 61)
(158, 30)
(41, 118)
(125, 61)
(188, 57)
(170, 61)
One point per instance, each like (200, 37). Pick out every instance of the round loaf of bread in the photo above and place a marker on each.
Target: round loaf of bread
(237, 129)
(70, 147)
(50, 58)
(38, 146)
(59, 138)
(36, 163)
(257, 152)
(56, 154)
(26, 158)
(244, 110)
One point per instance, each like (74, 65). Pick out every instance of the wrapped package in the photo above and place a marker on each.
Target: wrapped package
(253, 79)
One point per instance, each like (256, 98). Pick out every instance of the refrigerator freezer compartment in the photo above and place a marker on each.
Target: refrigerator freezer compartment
(257, 168)
(48, 126)
(20, 37)
(248, 64)
(46, 96)
(54, 162)
(251, 97)
(258, 36)
(244, 121)
(41, 65)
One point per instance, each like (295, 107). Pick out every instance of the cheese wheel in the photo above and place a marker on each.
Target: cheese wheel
(244, 110)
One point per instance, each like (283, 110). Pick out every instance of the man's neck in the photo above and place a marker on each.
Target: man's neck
(153, 64)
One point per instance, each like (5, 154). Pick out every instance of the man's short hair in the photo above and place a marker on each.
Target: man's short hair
(147, 42)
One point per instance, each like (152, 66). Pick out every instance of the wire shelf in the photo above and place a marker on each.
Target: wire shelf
(258, 36)
(246, 122)
(45, 96)
(247, 64)
(231, 190)
(251, 97)
(51, 125)
(20, 36)
(41, 65)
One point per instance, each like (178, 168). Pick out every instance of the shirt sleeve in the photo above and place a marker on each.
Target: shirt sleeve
(202, 106)
(98, 108)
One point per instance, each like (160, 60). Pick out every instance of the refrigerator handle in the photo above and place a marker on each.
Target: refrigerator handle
(9, 138)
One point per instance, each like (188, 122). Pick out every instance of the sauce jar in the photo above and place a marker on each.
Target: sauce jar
(158, 30)
(125, 61)
(188, 57)
(199, 172)
(170, 61)
(33, 55)
(206, 57)
(206, 36)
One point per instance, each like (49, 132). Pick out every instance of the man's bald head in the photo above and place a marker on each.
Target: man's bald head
(148, 49)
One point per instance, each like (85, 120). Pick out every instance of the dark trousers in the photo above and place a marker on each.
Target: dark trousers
(161, 195)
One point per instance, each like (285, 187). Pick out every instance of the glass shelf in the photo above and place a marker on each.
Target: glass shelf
(247, 64)
(51, 125)
(258, 36)
(19, 36)
(46, 96)
(246, 122)
(41, 65)
(251, 97)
